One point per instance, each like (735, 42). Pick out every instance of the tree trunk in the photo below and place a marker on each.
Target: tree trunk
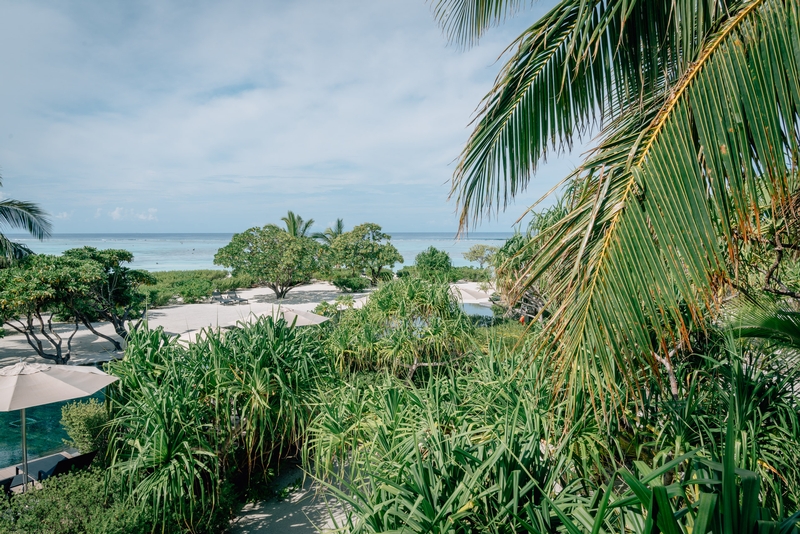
(91, 328)
(28, 330)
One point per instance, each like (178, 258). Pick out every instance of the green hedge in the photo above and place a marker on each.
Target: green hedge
(76, 503)
(192, 286)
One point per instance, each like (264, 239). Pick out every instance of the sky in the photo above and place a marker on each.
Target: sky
(217, 116)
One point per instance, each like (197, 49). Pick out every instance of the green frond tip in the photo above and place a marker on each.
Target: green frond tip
(465, 21)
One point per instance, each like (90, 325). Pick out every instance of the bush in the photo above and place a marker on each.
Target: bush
(75, 503)
(192, 286)
(406, 324)
(189, 420)
(433, 264)
(84, 423)
(409, 271)
(351, 284)
(470, 274)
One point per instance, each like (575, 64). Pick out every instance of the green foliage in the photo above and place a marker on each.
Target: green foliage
(433, 264)
(187, 419)
(665, 214)
(330, 233)
(406, 324)
(75, 503)
(480, 253)
(455, 274)
(192, 286)
(26, 216)
(461, 453)
(85, 423)
(38, 284)
(470, 274)
(686, 494)
(272, 256)
(351, 284)
(365, 250)
(296, 226)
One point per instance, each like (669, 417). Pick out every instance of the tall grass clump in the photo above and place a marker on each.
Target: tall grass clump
(487, 444)
(471, 449)
(405, 325)
(190, 424)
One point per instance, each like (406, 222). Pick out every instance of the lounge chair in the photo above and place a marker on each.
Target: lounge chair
(76, 463)
(216, 296)
(41, 464)
(233, 297)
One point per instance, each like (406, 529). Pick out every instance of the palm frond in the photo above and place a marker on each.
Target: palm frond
(581, 64)
(465, 21)
(25, 215)
(663, 194)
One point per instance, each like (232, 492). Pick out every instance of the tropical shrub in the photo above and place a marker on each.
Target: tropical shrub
(186, 421)
(460, 453)
(433, 264)
(405, 325)
(84, 422)
(351, 284)
(76, 503)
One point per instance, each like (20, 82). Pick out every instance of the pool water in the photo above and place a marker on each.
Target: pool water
(45, 433)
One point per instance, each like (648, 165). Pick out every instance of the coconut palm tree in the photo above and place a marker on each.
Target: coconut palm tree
(24, 215)
(295, 225)
(698, 107)
(330, 233)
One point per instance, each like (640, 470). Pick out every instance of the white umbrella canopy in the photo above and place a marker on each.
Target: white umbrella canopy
(25, 385)
(472, 296)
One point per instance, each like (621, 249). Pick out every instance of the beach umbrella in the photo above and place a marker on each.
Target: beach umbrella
(25, 385)
(472, 296)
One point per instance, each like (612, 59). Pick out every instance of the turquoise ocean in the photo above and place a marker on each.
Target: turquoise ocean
(167, 252)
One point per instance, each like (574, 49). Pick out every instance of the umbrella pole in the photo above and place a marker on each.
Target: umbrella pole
(24, 454)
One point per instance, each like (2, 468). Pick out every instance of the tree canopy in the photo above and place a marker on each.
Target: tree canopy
(30, 291)
(482, 254)
(365, 250)
(274, 257)
(433, 264)
(115, 296)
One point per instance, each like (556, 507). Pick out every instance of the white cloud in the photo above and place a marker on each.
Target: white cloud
(149, 215)
(225, 115)
(62, 216)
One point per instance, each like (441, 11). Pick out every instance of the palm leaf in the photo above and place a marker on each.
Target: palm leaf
(665, 191)
(581, 63)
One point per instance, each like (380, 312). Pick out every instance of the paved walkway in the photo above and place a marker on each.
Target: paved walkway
(302, 511)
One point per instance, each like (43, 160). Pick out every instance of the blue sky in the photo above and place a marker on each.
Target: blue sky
(217, 116)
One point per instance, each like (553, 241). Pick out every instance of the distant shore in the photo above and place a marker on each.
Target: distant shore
(188, 252)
